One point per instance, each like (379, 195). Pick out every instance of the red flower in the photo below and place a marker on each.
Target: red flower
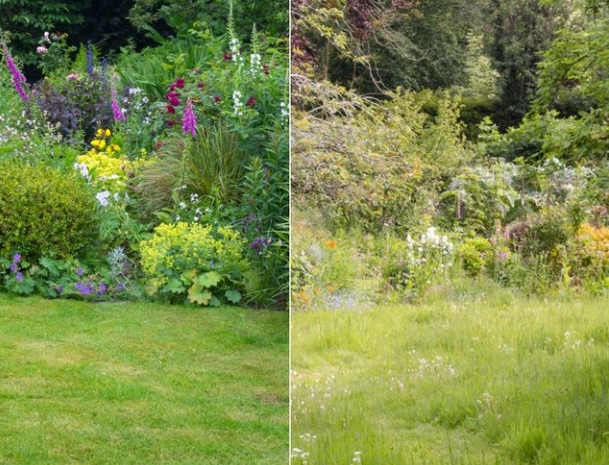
(159, 144)
(172, 87)
(217, 99)
(174, 101)
(265, 69)
(180, 83)
(171, 122)
(200, 85)
(251, 101)
(228, 56)
(171, 109)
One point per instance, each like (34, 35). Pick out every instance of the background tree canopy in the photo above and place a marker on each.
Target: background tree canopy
(104, 22)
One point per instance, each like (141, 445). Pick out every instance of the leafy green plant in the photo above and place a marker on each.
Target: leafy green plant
(194, 263)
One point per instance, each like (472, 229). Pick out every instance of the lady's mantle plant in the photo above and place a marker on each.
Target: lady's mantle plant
(198, 263)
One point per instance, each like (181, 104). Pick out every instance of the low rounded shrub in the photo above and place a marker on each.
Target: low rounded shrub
(200, 264)
(44, 212)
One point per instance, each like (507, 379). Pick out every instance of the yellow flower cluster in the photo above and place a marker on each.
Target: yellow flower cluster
(184, 247)
(110, 170)
(595, 241)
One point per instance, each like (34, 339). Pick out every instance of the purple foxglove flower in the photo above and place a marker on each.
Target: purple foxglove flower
(18, 78)
(190, 120)
(116, 109)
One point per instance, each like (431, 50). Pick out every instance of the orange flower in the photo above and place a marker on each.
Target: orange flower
(330, 244)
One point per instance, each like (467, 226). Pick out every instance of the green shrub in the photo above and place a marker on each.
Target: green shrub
(382, 165)
(196, 263)
(44, 212)
(474, 253)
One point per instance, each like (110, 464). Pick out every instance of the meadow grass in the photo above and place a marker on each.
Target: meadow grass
(84, 383)
(473, 375)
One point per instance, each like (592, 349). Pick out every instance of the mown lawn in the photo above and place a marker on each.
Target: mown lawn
(85, 383)
(476, 375)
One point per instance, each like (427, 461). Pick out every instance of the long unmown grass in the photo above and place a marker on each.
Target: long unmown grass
(472, 375)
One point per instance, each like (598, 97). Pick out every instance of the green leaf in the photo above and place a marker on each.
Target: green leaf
(174, 285)
(209, 279)
(215, 302)
(198, 295)
(233, 296)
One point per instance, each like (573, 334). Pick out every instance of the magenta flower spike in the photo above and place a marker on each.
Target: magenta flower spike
(116, 109)
(190, 120)
(18, 77)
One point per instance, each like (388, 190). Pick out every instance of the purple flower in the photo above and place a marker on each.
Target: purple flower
(84, 290)
(120, 287)
(14, 267)
(190, 120)
(18, 78)
(59, 290)
(101, 289)
(89, 59)
(16, 258)
(19, 276)
(79, 272)
(116, 109)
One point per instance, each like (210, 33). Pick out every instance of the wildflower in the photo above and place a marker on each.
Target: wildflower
(14, 267)
(200, 85)
(228, 56)
(171, 109)
(16, 258)
(190, 119)
(116, 110)
(265, 69)
(60, 289)
(180, 83)
(217, 99)
(102, 198)
(120, 287)
(46, 37)
(101, 289)
(159, 144)
(330, 244)
(42, 50)
(72, 77)
(251, 101)
(108, 133)
(19, 276)
(79, 272)
(174, 101)
(18, 77)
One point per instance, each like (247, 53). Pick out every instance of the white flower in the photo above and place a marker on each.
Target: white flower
(102, 198)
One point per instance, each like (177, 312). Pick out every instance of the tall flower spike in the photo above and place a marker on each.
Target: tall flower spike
(116, 109)
(18, 78)
(89, 59)
(190, 119)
